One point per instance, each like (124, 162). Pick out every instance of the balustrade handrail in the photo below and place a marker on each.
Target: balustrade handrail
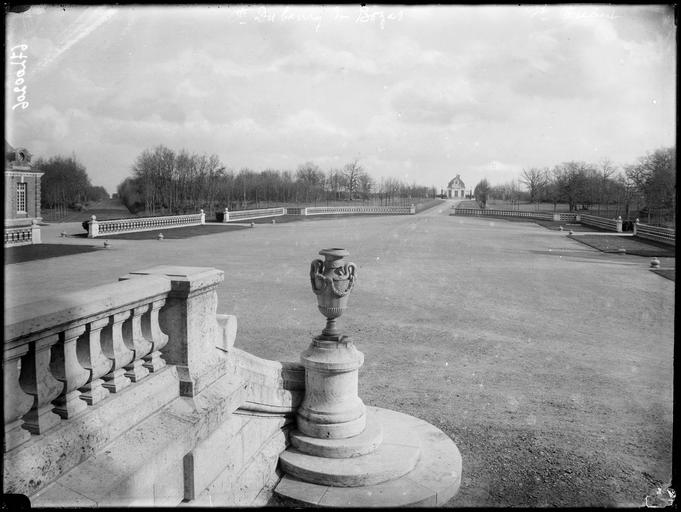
(28, 321)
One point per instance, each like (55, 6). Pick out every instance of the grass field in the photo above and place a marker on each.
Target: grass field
(548, 362)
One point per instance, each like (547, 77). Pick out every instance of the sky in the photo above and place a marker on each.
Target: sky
(418, 93)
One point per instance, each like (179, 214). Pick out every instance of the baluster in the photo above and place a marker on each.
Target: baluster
(65, 367)
(134, 339)
(17, 402)
(37, 380)
(115, 349)
(151, 329)
(92, 358)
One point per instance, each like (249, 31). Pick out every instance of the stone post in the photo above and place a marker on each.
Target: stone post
(412, 209)
(189, 320)
(35, 232)
(556, 217)
(226, 216)
(635, 227)
(619, 224)
(93, 227)
(203, 217)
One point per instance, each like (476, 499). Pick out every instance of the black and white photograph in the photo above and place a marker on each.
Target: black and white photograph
(339, 256)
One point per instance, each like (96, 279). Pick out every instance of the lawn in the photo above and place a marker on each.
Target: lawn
(631, 245)
(25, 253)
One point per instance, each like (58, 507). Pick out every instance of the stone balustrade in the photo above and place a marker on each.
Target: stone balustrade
(116, 226)
(566, 217)
(380, 210)
(474, 212)
(655, 233)
(22, 235)
(252, 214)
(145, 369)
(487, 212)
(68, 353)
(602, 222)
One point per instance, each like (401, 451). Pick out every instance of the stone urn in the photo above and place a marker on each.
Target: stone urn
(332, 280)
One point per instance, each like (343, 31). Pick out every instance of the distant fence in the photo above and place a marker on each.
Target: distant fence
(97, 228)
(380, 210)
(252, 214)
(22, 235)
(228, 216)
(474, 212)
(658, 234)
(602, 222)
(655, 233)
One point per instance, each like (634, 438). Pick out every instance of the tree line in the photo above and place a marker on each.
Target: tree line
(645, 188)
(165, 181)
(65, 184)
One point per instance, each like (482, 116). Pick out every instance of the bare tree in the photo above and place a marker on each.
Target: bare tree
(352, 173)
(606, 169)
(535, 180)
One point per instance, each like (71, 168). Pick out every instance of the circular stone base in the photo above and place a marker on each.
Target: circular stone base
(434, 479)
(361, 444)
(332, 430)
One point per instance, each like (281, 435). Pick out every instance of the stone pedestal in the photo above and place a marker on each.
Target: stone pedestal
(331, 408)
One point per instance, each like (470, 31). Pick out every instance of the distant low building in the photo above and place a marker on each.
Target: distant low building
(22, 198)
(456, 188)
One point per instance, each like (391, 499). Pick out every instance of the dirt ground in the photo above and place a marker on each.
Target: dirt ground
(549, 363)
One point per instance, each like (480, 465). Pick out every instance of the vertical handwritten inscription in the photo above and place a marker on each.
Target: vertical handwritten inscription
(17, 63)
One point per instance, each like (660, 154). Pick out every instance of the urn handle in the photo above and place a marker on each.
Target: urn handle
(317, 280)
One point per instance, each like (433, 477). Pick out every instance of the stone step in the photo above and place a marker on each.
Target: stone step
(434, 480)
(355, 446)
(387, 462)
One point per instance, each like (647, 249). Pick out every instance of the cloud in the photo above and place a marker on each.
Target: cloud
(444, 90)
(434, 102)
(314, 57)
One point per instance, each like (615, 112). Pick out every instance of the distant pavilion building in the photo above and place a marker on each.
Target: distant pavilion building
(456, 189)
(22, 198)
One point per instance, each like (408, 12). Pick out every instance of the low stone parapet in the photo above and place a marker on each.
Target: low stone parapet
(473, 212)
(22, 235)
(379, 210)
(235, 216)
(602, 222)
(97, 228)
(655, 233)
